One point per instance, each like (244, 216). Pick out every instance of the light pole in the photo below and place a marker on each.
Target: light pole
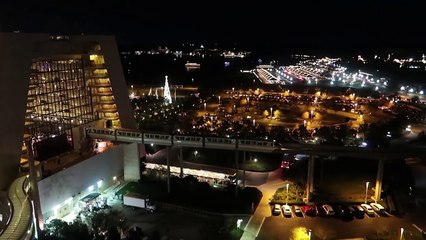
(195, 154)
(286, 201)
(366, 191)
(205, 105)
(310, 233)
(219, 100)
(402, 233)
(271, 112)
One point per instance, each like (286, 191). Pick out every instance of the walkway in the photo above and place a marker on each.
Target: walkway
(20, 226)
(263, 210)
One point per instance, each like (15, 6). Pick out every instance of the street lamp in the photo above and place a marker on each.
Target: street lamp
(195, 154)
(271, 112)
(205, 107)
(219, 100)
(402, 233)
(310, 233)
(366, 191)
(286, 201)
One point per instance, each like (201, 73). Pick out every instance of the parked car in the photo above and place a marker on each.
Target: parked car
(276, 210)
(359, 211)
(339, 212)
(287, 210)
(308, 211)
(297, 210)
(329, 211)
(368, 209)
(349, 211)
(378, 208)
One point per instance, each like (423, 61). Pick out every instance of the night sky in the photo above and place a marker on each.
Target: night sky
(374, 24)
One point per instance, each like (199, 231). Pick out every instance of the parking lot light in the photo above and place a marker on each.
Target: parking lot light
(366, 191)
(286, 201)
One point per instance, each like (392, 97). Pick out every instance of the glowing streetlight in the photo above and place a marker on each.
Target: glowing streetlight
(271, 111)
(219, 100)
(402, 233)
(255, 160)
(286, 201)
(205, 105)
(366, 191)
(310, 233)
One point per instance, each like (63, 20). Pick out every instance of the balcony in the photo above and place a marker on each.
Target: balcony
(102, 82)
(110, 116)
(105, 100)
(106, 108)
(102, 91)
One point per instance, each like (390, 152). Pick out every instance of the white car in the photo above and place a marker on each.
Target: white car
(377, 207)
(286, 210)
(276, 210)
(329, 211)
(368, 209)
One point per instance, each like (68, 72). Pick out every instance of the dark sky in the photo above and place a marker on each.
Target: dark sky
(339, 24)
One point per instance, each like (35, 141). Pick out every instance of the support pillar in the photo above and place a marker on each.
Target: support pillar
(379, 180)
(168, 169)
(244, 169)
(236, 173)
(310, 178)
(180, 158)
(34, 189)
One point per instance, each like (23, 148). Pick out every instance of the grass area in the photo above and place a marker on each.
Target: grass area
(345, 180)
(295, 195)
(225, 158)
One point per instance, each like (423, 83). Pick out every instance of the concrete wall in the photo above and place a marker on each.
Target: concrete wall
(16, 51)
(74, 181)
(131, 162)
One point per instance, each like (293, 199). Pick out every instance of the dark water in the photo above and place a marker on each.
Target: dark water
(151, 70)
(213, 74)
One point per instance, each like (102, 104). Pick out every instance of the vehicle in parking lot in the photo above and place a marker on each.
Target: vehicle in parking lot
(339, 212)
(359, 211)
(297, 210)
(286, 210)
(368, 209)
(349, 211)
(329, 211)
(309, 210)
(276, 210)
(378, 208)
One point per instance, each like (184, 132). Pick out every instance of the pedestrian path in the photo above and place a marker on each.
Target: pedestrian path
(263, 210)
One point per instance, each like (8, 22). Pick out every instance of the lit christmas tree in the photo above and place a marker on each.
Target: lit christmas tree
(166, 94)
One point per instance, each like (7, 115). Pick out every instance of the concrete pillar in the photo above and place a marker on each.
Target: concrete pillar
(244, 169)
(180, 158)
(379, 180)
(310, 178)
(131, 162)
(34, 188)
(236, 173)
(312, 167)
(168, 169)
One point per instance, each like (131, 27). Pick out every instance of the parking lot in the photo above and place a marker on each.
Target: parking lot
(377, 224)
